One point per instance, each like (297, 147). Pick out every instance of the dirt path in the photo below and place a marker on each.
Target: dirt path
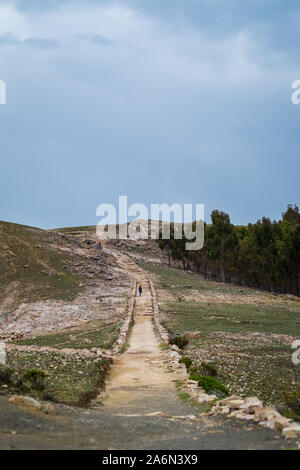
(139, 375)
(141, 409)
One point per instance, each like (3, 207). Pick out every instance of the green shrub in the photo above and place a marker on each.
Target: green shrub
(292, 400)
(194, 369)
(209, 369)
(179, 340)
(34, 379)
(6, 375)
(187, 361)
(204, 369)
(209, 384)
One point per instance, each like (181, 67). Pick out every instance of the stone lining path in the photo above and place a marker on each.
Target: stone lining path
(139, 375)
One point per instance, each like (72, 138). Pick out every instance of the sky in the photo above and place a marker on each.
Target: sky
(163, 101)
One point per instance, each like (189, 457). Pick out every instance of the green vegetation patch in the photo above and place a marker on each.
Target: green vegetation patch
(187, 361)
(80, 339)
(31, 269)
(178, 281)
(234, 318)
(70, 379)
(250, 365)
(211, 385)
(248, 344)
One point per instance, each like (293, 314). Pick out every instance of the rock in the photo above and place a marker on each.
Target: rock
(224, 410)
(155, 413)
(232, 397)
(244, 416)
(26, 401)
(250, 405)
(269, 424)
(265, 414)
(211, 398)
(201, 399)
(291, 432)
(48, 408)
(280, 422)
(234, 404)
(233, 414)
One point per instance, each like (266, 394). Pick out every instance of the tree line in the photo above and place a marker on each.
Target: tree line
(264, 255)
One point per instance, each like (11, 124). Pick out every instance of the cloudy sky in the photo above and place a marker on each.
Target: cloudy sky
(183, 101)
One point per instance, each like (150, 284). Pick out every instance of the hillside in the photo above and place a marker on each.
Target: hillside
(68, 305)
(45, 277)
(35, 265)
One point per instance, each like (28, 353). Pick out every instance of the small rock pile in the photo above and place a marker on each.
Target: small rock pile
(252, 409)
(64, 351)
(11, 336)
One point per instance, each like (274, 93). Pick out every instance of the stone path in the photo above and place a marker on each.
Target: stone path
(139, 375)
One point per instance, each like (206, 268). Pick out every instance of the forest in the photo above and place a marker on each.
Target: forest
(264, 255)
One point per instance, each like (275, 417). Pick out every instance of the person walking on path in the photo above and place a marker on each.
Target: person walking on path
(140, 290)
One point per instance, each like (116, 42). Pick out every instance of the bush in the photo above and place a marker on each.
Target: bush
(179, 340)
(34, 379)
(292, 399)
(209, 369)
(209, 384)
(187, 361)
(204, 369)
(6, 375)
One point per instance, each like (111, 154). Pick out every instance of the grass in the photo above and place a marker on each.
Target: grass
(242, 318)
(82, 339)
(77, 230)
(32, 269)
(177, 281)
(70, 379)
(249, 344)
(186, 397)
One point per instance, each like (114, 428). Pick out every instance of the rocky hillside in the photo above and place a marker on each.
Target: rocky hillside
(51, 281)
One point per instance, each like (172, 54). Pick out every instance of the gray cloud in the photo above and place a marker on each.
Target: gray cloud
(98, 40)
(204, 116)
(39, 43)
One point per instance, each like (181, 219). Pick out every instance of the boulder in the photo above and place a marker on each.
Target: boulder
(265, 414)
(234, 404)
(280, 422)
(250, 405)
(28, 402)
(291, 432)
